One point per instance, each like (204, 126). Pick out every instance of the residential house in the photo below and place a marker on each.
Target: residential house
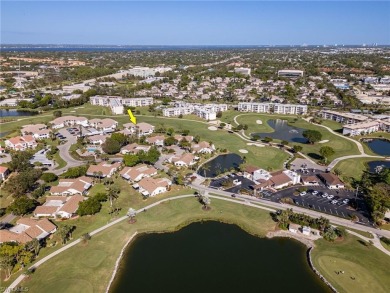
(188, 138)
(72, 186)
(27, 229)
(59, 206)
(4, 172)
(332, 181)
(136, 173)
(21, 143)
(97, 139)
(185, 160)
(63, 121)
(151, 187)
(104, 125)
(156, 140)
(134, 148)
(38, 131)
(294, 228)
(103, 169)
(203, 147)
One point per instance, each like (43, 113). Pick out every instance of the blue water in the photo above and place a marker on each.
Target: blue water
(91, 149)
(380, 146)
(283, 131)
(220, 164)
(14, 112)
(372, 165)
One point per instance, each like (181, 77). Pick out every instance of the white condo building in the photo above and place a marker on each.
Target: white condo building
(147, 71)
(116, 104)
(290, 73)
(344, 118)
(207, 111)
(292, 109)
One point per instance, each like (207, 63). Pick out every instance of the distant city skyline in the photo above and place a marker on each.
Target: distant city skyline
(195, 23)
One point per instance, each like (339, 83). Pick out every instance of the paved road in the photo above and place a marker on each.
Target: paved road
(8, 218)
(64, 152)
(333, 219)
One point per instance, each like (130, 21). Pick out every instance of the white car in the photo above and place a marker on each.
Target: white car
(315, 192)
(330, 196)
(303, 193)
(334, 201)
(324, 195)
(346, 201)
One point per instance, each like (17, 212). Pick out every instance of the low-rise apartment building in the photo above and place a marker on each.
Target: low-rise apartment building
(343, 117)
(205, 111)
(21, 143)
(291, 109)
(116, 104)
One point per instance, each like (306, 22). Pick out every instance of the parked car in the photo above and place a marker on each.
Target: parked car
(334, 201)
(303, 193)
(315, 192)
(324, 195)
(330, 196)
(346, 201)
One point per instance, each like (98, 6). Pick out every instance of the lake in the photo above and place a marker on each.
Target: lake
(283, 131)
(219, 164)
(14, 112)
(215, 257)
(380, 146)
(374, 164)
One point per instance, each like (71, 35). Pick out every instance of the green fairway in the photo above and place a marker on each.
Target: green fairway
(365, 267)
(341, 145)
(353, 167)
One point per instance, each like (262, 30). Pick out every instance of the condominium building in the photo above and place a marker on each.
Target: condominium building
(207, 111)
(243, 71)
(344, 118)
(361, 128)
(293, 109)
(116, 103)
(290, 73)
(146, 71)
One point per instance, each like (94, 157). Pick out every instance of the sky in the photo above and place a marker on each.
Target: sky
(195, 23)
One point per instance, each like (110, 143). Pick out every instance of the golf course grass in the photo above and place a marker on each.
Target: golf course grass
(365, 267)
(354, 168)
(342, 146)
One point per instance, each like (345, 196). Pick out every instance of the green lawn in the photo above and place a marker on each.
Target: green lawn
(341, 146)
(367, 264)
(90, 265)
(353, 167)
(367, 149)
(335, 126)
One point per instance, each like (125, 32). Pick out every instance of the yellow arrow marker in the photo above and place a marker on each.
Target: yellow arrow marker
(132, 117)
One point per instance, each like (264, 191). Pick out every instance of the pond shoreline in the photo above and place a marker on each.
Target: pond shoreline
(269, 235)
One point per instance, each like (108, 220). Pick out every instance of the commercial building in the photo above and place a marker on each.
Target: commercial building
(292, 109)
(147, 71)
(243, 71)
(290, 73)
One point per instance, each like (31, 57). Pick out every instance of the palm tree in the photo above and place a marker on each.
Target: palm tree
(113, 193)
(100, 174)
(131, 214)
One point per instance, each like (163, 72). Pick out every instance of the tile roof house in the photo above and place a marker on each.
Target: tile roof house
(98, 139)
(27, 229)
(310, 180)
(134, 148)
(63, 121)
(156, 140)
(104, 169)
(105, 125)
(151, 187)
(59, 206)
(136, 173)
(331, 181)
(72, 186)
(4, 172)
(141, 129)
(185, 160)
(38, 131)
(21, 143)
(203, 147)
(188, 138)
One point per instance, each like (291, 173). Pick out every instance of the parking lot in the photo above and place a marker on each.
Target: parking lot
(342, 203)
(240, 183)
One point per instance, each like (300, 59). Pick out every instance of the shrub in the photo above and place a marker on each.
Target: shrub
(49, 177)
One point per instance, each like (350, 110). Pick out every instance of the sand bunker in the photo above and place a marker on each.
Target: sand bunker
(259, 122)
(256, 144)
(212, 128)
(323, 141)
(243, 151)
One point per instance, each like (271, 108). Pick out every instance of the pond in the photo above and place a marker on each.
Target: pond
(379, 146)
(214, 257)
(15, 112)
(220, 164)
(374, 166)
(283, 131)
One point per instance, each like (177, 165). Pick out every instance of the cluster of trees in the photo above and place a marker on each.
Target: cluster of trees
(149, 157)
(376, 187)
(312, 136)
(114, 143)
(14, 256)
(75, 172)
(329, 233)
(240, 127)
